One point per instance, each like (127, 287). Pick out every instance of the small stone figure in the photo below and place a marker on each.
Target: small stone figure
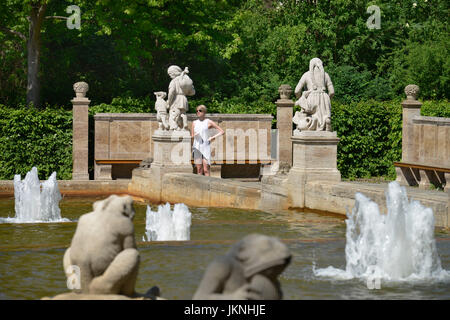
(315, 102)
(248, 271)
(180, 87)
(303, 121)
(175, 117)
(146, 163)
(104, 248)
(161, 110)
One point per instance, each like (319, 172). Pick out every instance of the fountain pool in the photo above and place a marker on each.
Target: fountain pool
(31, 254)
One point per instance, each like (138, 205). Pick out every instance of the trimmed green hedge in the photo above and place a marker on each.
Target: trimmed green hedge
(370, 133)
(40, 138)
(371, 138)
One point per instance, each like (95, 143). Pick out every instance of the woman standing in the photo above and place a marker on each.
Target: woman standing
(202, 141)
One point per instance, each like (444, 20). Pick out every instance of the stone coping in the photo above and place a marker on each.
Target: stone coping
(440, 121)
(212, 116)
(413, 104)
(77, 187)
(322, 196)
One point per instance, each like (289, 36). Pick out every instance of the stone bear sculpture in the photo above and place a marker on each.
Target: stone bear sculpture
(161, 110)
(249, 271)
(104, 248)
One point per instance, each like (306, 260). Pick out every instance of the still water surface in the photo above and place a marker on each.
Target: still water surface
(31, 254)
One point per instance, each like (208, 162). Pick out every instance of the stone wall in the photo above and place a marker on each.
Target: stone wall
(425, 146)
(273, 195)
(430, 142)
(128, 136)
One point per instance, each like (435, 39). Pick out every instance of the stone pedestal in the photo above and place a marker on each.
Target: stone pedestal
(315, 155)
(80, 142)
(172, 153)
(285, 107)
(314, 158)
(172, 150)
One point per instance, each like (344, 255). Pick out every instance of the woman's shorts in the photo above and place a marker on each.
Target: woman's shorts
(198, 156)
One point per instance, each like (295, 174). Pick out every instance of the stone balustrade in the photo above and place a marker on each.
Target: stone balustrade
(425, 146)
(122, 140)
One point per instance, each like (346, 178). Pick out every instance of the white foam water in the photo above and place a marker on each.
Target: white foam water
(36, 202)
(168, 225)
(397, 246)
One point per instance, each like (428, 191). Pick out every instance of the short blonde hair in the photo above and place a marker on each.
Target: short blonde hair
(202, 107)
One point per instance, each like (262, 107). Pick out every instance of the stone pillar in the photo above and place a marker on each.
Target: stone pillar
(285, 107)
(80, 145)
(411, 109)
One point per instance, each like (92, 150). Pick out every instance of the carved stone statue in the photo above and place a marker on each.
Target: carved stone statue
(104, 248)
(161, 110)
(315, 102)
(180, 87)
(248, 271)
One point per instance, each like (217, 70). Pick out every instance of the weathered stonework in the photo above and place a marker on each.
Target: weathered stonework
(425, 142)
(275, 193)
(129, 137)
(284, 125)
(314, 159)
(80, 146)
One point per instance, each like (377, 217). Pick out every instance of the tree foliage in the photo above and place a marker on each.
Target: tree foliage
(235, 49)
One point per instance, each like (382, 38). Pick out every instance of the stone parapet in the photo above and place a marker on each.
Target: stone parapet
(425, 146)
(274, 194)
(120, 136)
(71, 188)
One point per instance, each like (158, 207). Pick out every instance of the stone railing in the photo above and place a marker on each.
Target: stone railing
(122, 140)
(425, 146)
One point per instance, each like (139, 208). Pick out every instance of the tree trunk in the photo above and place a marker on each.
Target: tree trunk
(33, 50)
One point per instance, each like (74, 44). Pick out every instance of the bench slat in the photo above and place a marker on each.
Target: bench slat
(118, 161)
(420, 166)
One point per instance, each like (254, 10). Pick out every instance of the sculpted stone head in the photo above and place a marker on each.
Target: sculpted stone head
(116, 205)
(160, 94)
(258, 253)
(249, 271)
(315, 62)
(174, 71)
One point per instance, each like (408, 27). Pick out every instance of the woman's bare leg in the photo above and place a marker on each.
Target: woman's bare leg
(199, 168)
(205, 167)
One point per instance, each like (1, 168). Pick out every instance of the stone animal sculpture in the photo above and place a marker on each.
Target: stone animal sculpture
(161, 110)
(104, 248)
(249, 271)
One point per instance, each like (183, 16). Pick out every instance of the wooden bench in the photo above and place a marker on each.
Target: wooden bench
(118, 161)
(104, 167)
(424, 176)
